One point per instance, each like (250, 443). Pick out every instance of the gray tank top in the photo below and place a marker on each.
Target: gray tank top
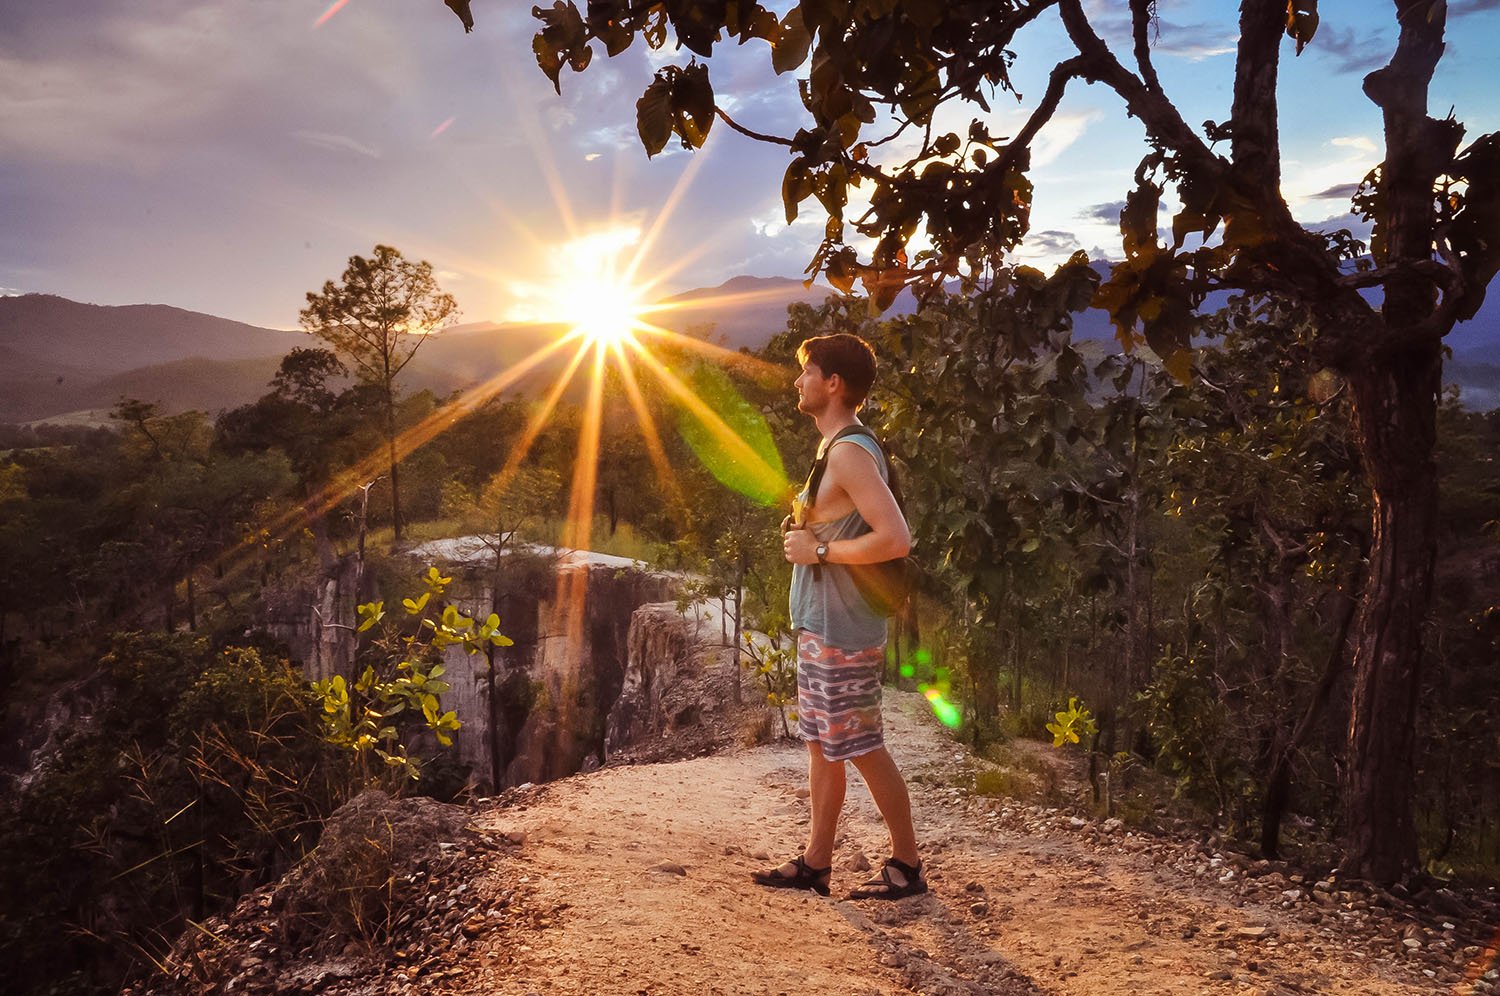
(831, 606)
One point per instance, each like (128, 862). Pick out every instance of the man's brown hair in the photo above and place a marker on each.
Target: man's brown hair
(844, 354)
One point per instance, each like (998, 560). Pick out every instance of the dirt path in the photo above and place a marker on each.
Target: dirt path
(635, 880)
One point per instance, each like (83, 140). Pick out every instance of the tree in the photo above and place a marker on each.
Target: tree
(889, 65)
(378, 318)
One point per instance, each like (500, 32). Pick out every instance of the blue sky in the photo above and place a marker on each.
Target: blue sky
(229, 155)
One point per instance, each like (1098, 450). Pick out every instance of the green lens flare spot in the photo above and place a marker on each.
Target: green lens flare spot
(946, 712)
(740, 453)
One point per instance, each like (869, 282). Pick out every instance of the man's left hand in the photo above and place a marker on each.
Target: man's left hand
(800, 546)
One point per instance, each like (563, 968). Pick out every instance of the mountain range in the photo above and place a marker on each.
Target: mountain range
(61, 358)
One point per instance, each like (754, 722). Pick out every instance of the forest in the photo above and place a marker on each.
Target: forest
(1179, 561)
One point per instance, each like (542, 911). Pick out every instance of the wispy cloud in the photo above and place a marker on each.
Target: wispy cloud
(1108, 212)
(1351, 51)
(337, 143)
(1339, 191)
(1463, 8)
(1048, 244)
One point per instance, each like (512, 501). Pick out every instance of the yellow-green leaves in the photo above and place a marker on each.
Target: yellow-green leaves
(402, 677)
(1072, 724)
(370, 613)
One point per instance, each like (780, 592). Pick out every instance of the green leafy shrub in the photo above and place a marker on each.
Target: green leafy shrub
(401, 679)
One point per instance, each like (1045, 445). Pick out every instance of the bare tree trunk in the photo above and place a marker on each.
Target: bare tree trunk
(390, 439)
(1395, 428)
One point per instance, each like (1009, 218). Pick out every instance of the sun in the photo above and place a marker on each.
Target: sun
(590, 291)
(605, 311)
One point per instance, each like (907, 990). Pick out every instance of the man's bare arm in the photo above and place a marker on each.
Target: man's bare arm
(852, 469)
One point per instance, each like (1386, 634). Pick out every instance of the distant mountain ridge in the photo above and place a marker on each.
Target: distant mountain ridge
(59, 356)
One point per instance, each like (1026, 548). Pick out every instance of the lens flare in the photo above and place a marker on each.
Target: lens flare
(946, 712)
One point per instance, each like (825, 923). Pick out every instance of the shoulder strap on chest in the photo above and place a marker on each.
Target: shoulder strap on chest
(820, 465)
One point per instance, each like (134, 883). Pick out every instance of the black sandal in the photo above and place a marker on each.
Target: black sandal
(884, 887)
(805, 877)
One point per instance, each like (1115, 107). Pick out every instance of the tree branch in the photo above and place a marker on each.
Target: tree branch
(1254, 145)
(1141, 15)
(774, 140)
(1056, 84)
(1162, 120)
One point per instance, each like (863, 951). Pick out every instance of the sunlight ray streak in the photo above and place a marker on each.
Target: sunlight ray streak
(543, 414)
(737, 448)
(654, 447)
(541, 149)
(573, 578)
(752, 364)
(346, 482)
(659, 223)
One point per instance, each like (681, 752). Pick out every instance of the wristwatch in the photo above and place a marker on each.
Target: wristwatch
(822, 552)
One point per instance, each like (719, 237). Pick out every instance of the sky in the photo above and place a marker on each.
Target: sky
(228, 156)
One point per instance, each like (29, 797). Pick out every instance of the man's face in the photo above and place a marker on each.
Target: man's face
(814, 391)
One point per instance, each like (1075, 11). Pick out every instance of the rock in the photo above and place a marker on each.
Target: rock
(669, 868)
(1253, 933)
(1113, 825)
(1077, 823)
(973, 887)
(1411, 943)
(979, 909)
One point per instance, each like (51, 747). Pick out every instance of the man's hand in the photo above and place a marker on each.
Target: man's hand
(800, 546)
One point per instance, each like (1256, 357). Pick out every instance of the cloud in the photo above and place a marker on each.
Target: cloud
(1049, 243)
(1193, 41)
(338, 143)
(1062, 131)
(1351, 51)
(1339, 191)
(1359, 142)
(1463, 8)
(1108, 212)
(1359, 227)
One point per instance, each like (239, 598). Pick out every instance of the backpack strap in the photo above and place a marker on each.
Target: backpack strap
(820, 465)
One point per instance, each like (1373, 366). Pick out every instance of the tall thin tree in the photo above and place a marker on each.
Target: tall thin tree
(377, 317)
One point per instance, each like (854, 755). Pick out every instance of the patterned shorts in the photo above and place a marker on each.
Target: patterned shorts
(838, 697)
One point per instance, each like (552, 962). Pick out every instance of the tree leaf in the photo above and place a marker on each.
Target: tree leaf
(653, 115)
(792, 43)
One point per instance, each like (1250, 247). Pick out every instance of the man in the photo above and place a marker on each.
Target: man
(852, 519)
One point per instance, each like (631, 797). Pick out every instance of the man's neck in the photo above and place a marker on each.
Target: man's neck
(833, 420)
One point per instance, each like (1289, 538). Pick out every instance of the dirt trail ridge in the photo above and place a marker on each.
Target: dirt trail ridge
(635, 880)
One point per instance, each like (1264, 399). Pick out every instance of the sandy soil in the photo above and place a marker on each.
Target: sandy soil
(636, 881)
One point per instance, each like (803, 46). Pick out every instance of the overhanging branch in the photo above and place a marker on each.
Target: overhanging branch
(773, 139)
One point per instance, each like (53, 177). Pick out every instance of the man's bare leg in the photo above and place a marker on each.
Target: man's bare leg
(888, 789)
(826, 783)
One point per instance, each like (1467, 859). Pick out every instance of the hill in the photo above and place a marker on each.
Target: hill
(59, 356)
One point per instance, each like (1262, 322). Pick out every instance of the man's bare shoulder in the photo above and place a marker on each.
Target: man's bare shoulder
(846, 456)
